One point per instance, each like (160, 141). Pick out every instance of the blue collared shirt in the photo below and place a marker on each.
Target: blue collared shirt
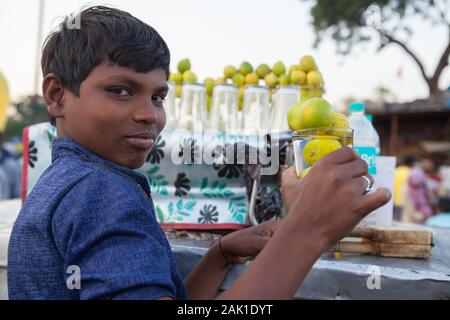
(88, 230)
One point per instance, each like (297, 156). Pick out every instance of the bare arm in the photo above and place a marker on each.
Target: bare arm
(205, 279)
(239, 246)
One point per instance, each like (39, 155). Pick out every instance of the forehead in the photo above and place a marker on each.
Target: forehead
(106, 72)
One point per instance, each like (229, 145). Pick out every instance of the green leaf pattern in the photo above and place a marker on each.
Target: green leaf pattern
(216, 190)
(238, 208)
(157, 182)
(179, 211)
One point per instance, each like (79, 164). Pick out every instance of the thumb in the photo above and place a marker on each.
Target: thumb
(373, 201)
(289, 173)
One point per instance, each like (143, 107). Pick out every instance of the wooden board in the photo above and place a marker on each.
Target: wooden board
(403, 241)
(365, 246)
(394, 234)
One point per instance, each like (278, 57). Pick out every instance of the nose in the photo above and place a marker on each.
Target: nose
(146, 112)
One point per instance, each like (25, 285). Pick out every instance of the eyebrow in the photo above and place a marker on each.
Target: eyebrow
(135, 84)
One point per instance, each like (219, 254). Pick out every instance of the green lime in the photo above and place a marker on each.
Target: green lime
(279, 68)
(229, 72)
(262, 70)
(245, 68)
(184, 65)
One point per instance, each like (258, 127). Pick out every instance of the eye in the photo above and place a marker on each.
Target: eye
(158, 99)
(120, 91)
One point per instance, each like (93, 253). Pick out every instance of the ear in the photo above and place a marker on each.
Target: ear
(53, 93)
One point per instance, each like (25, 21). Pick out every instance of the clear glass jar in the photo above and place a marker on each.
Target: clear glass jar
(256, 112)
(282, 100)
(193, 106)
(310, 145)
(170, 107)
(224, 109)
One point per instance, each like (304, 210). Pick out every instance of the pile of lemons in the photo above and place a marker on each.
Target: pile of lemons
(305, 74)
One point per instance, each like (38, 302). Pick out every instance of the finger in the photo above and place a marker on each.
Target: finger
(373, 201)
(362, 184)
(355, 168)
(289, 178)
(289, 173)
(341, 156)
(269, 228)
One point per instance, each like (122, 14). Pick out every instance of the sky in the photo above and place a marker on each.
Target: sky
(216, 33)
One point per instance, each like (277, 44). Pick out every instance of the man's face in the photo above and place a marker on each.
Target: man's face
(427, 166)
(118, 114)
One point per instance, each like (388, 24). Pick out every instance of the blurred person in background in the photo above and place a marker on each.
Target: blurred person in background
(10, 173)
(400, 179)
(418, 206)
(433, 180)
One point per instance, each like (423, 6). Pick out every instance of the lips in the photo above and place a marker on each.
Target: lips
(142, 141)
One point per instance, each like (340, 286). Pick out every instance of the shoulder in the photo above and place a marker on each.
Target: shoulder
(101, 204)
(103, 184)
(103, 194)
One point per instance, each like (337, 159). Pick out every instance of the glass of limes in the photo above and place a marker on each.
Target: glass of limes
(310, 145)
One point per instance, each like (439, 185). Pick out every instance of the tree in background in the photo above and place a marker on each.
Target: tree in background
(28, 111)
(387, 21)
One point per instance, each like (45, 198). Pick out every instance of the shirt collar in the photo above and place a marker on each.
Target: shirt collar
(66, 147)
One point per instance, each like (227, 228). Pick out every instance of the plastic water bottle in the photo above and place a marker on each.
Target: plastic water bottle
(378, 150)
(364, 139)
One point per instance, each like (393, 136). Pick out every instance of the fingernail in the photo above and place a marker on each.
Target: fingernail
(387, 193)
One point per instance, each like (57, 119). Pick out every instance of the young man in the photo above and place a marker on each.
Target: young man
(90, 213)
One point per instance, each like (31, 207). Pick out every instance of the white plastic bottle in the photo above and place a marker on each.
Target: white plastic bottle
(377, 136)
(364, 139)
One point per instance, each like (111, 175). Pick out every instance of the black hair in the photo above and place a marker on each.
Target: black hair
(409, 161)
(444, 204)
(96, 35)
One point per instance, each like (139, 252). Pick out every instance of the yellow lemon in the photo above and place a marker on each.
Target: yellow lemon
(304, 173)
(209, 86)
(316, 113)
(315, 149)
(271, 80)
(220, 80)
(284, 80)
(294, 116)
(251, 78)
(262, 70)
(178, 90)
(314, 78)
(208, 103)
(239, 79)
(340, 121)
(294, 67)
(229, 72)
(307, 64)
(177, 78)
(189, 77)
(298, 77)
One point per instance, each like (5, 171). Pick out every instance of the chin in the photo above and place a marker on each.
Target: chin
(135, 162)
